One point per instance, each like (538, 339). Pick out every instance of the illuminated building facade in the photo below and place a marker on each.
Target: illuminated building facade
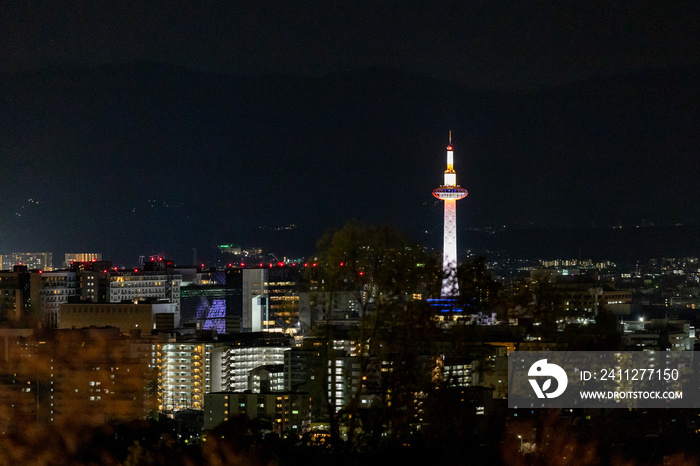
(253, 286)
(236, 362)
(33, 260)
(69, 258)
(183, 375)
(216, 305)
(450, 192)
(189, 369)
(265, 379)
(137, 286)
(272, 292)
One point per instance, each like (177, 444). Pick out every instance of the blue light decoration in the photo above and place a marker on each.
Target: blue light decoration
(445, 305)
(212, 314)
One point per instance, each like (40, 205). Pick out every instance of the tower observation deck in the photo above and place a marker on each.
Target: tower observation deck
(450, 192)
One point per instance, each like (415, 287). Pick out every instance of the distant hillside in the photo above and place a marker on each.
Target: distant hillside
(147, 157)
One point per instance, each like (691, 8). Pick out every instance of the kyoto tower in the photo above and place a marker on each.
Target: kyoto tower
(450, 192)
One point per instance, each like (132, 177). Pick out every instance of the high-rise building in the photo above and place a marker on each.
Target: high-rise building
(19, 295)
(237, 361)
(184, 373)
(139, 285)
(56, 289)
(274, 293)
(253, 286)
(212, 300)
(188, 369)
(69, 258)
(92, 376)
(450, 192)
(33, 260)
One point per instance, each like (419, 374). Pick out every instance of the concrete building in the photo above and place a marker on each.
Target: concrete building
(253, 285)
(236, 362)
(69, 258)
(140, 285)
(337, 309)
(584, 293)
(143, 317)
(18, 380)
(184, 375)
(280, 286)
(56, 288)
(213, 300)
(658, 335)
(32, 260)
(268, 378)
(300, 367)
(19, 296)
(288, 412)
(91, 377)
(190, 368)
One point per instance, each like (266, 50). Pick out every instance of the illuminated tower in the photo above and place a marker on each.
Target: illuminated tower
(450, 192)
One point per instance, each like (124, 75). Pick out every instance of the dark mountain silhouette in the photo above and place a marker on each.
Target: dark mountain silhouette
(146, 157)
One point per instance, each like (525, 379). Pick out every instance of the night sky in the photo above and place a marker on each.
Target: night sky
(154, 128)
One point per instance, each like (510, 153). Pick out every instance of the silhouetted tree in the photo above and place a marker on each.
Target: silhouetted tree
(382, 269)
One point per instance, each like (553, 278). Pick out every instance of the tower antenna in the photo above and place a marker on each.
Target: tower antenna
(450, 137)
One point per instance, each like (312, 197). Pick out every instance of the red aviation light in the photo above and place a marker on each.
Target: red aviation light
(230, 265)
(361, 274)
(280, 264)
(270, 265)
(342, 264)
(449, 147)
(306, 264)
(41, 271)
(242, 264)
(260, 264)
(314, 264)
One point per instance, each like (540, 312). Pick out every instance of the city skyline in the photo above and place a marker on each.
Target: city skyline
(218, 242)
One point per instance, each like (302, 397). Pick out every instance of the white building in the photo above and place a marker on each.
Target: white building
(236, 362)
(136, 286)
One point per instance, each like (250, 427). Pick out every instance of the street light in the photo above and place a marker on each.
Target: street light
(521, 442)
